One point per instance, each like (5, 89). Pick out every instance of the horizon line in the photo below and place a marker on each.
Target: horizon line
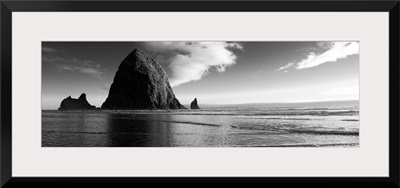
(349, 100)
(346, 100)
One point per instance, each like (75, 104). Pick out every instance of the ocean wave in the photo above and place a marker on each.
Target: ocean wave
(277, 118)
(183, 122)
(287, 129)
(135, 118)
(324, 132)
(257, 127)
(306, 145)
(349, 120)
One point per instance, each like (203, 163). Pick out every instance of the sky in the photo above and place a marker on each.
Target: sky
(213, 72)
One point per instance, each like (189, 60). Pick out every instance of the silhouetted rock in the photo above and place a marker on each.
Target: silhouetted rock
(76, 104)
(141, 83)
(194, 104)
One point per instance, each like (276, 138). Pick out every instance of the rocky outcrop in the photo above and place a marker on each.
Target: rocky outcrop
(141, 83)
(194, 104)
(76, 104)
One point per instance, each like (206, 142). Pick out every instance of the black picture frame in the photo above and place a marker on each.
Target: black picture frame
(7, 7)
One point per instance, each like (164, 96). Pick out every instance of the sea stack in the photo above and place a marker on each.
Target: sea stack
(81, 103)
(141, 83)
(194, 104)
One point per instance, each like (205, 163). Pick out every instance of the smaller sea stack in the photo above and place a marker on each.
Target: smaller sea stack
(194, 104)
(81, 103)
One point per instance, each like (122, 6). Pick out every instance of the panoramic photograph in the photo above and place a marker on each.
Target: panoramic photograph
(200, 94)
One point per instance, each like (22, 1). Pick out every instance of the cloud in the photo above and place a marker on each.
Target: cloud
(325, 45)
(48, 49)
(75, 65)
(333, 51)
(285, 67)
(192, 60)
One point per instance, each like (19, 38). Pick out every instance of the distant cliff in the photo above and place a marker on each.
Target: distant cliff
(141, 83)
(76, 104)
(194, 104)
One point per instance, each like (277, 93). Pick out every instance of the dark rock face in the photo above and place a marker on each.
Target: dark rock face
(76, 104)
(141, 83)
(194, 104)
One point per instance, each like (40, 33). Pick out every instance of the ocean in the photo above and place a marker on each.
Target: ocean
(273, 125)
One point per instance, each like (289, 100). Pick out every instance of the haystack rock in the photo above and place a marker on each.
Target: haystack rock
(194, 104)
(141, 83)
(76, 104)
